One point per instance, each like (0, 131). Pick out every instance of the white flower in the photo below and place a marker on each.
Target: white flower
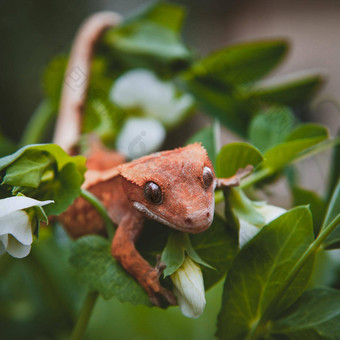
(141, 90)
(248, 230)
(15, 225)
(139, 137)
(189, 288)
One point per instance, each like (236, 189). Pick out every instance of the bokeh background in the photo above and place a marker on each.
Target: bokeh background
(32, 32)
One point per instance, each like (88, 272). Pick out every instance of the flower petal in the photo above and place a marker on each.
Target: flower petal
(141, 89)
(18, 225)
(10, 204)
(139, 137)
(247, 232)
(270, 212)
(16, 249)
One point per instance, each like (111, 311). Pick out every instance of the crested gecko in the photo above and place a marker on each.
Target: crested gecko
(173, 187)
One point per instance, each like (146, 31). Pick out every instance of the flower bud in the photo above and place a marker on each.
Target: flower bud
(189, 288)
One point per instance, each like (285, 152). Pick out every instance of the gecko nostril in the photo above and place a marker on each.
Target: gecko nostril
(188, 220)
(208, 214)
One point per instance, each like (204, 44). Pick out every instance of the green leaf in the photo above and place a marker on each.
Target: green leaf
(166, 14)
(63, 190)
(301, 139)
(218, 100)
(255, 278)
(44, 171)
(271, 127)
(292, 90)
(173, 255)
(148, 39)
(316, 204)
(206, 136)
(308, 130)
(60, 156)
(334, 168)
(234, 156)
(215, 80)
(333, 240)
(177, 247)
(287, 153)
(152, 37)
(28, 169)
(218, 246)
(315, 316)
(99, 271)
(241, 63)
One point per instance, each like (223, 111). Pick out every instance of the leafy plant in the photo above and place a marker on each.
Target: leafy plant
(264, 262)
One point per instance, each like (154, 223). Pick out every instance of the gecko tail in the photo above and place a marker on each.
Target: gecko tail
(77, 76)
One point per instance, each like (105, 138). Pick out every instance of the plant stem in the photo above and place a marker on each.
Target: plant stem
(266, 171)
(313, 247)
(36, 126)
(101, 210)
(84, 316)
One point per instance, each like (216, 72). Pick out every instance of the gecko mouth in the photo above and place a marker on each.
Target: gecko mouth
(142, 208)
(149, 214)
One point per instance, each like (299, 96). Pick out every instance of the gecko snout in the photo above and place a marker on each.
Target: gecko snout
(198, 221)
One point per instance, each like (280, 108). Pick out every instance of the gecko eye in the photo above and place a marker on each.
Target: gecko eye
(207, 177)
(153, 193)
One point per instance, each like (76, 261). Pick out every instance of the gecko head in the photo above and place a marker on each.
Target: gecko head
(173, 187)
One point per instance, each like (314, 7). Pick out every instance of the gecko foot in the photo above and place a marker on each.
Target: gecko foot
(160, 266)
(159, 295)
(234, 180)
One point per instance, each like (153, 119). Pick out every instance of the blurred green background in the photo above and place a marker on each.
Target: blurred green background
(32, 33)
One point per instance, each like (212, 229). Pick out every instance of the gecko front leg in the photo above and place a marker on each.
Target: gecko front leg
(235, 180)
(124, 250)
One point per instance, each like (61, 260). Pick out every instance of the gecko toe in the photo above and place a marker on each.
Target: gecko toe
(160, 266)
(155, 300)
(170, 297)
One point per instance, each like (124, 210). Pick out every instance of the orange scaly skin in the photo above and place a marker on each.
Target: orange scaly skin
(174, 187)
(187, 203)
